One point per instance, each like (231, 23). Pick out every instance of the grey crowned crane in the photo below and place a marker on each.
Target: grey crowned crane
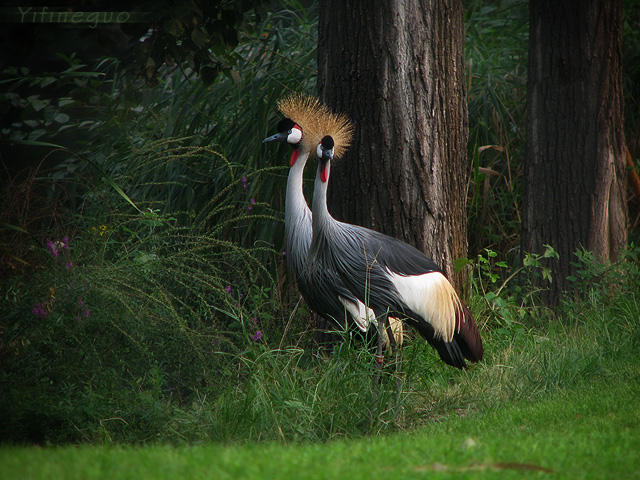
(323, 291)
(388, 275)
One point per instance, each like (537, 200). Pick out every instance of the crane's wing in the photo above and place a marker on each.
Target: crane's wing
(399, 257)
(408, 282)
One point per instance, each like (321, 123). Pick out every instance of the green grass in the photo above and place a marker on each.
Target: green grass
(592, 431)
(558, 400)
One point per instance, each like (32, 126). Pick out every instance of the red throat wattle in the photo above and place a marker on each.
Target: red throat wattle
(324, 174)
(294, 156)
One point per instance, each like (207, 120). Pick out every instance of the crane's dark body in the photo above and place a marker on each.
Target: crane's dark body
(374, 266)
(361, 257)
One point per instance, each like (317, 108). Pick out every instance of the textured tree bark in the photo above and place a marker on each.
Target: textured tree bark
(397, 68)
(575, 177)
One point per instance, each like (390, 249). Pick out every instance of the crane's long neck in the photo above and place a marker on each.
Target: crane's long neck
(297, 216)
(323, 222)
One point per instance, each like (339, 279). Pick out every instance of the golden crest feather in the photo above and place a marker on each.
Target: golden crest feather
(306, 111)
(340, 128)
(317, 121)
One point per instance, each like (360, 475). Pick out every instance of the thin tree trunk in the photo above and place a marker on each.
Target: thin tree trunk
(397, 68)
(575, 175)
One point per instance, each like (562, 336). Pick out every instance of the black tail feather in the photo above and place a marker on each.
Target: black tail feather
(466, 342)
(450, 352)
(468, 337)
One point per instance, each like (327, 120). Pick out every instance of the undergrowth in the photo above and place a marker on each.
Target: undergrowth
(144, 296)
(118, 376)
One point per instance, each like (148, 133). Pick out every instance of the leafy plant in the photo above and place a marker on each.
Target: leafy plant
(507, 292)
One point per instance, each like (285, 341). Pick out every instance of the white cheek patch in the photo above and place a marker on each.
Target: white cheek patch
(295, 136)
(319, 150)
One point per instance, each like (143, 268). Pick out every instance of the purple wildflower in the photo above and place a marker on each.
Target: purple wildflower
(257, 336)
(254, 320)
(39, 310)
(68, 265)
(244, 182)
(86, 313)
(51, 246)
(80, 302)
(65, 242)
(227, 289)
(253, 202)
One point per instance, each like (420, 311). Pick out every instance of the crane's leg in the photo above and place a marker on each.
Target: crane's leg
(395, 355)
(380, 350)
(384, 326)
(392, 339)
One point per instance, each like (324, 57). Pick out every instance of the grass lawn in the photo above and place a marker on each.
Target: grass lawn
(590, 431)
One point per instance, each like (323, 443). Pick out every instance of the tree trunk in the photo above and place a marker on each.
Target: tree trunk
(575, 175)
(397, 68)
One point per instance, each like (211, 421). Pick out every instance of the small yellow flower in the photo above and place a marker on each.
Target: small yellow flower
(102, 229)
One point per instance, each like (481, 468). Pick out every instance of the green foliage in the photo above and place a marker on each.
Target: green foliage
(135, 304)
(507, 293)
(47, 111)
(539, 405)
(589, 339)
(197, 33)
(496, 54)
(597, 286)
(588, 432)
(145, 365)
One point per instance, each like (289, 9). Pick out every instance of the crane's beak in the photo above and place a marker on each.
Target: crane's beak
(278, 137)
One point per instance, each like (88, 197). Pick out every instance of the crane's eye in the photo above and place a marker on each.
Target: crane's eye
(294, 136)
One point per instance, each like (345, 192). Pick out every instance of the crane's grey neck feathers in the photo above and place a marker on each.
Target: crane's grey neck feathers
(297, 217)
